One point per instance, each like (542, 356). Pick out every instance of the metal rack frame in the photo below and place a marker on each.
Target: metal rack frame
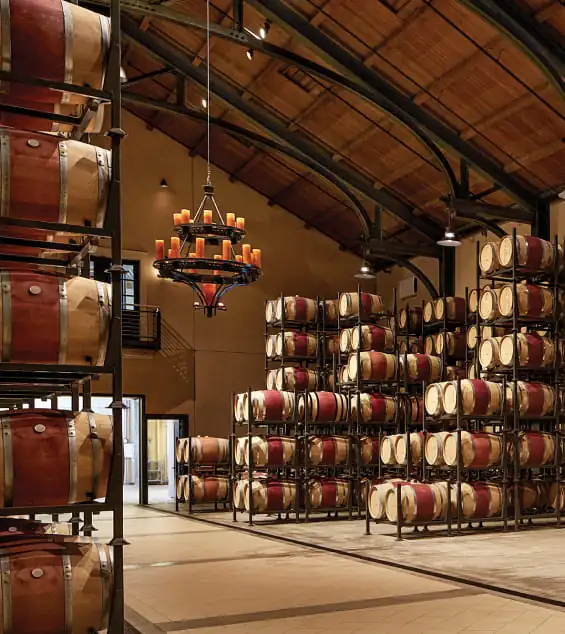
(21, 383)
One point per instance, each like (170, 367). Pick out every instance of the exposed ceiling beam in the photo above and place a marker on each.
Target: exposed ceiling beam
(471, 209)
(535, 39)
(256, 139)
(243, 38)
(391, 98)
(278, 128)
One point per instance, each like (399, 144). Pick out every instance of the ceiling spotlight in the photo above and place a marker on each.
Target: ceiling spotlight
(249, 54)
(123, 76)
(264, 30)
(164, 183)
(449, 240)
(365, 273)
(561, 194)
(204, 103)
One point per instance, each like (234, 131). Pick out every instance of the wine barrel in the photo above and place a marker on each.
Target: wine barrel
(52, 179)
(415, 346)
(375, 366)
(478, 449)
(62, 43)
(533, 351)
(535, 449)
(345, 339)
(434, 449)
(240, 488)
(71, 457)
(363, 304)
(331, 344)
(377, 498)
(369, 449)
(297, 309)
(479, 398)
(328, 451)
(416, 448)
(489, 301)
(373, 408)
(181, 447)
(344, 374)
(269, 405)
(208, 488)
(421, 367)
(485, 332)
(489, 353)
(328, 493)
(533, 254)
(182, 488)
(388, 449)
(414, 408)
(473, 301)
(430, 344)
(441, 490)
(12, 527)
(295, 379)
(534, 399)
(296, 344)
(271, 382)
(534, 302)
(52, 319)
(488, 258)
(271, 346)
(270, 312)
(434, 398)
(418, 503)
(454, 372)
(451, 308)
(480, 500)
(372, 338)
(204, 449)
(331, 311)
(270, 496)
(428, 312)
(557, 496)
(56, 586)
(410, 320)
(267, 451)
(323, 407)
(455, 344)
(528, 496)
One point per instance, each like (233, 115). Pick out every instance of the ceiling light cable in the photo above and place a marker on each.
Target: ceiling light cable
(208, 170)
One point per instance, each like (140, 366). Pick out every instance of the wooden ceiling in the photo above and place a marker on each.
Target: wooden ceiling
(449, 60)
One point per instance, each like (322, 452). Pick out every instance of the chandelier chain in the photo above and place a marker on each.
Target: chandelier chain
(208, 170)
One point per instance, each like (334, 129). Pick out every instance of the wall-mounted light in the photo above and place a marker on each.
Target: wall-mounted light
(164, 184)
(264, 30)
(204, 103)
(249, 53)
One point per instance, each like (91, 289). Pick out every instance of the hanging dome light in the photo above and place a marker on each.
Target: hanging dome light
(449, 239)
(365, 272)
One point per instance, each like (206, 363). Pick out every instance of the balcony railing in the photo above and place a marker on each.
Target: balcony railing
(141, 327)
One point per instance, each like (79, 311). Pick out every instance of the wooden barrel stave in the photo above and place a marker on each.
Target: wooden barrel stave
(328, 493)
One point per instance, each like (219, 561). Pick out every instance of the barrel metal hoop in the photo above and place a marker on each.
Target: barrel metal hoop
(104, 315)
(73, 461)
(106, 578)
(96, 453)
(6, 427)
(103, 170)
(63, 181)
(69, 53)
(6, 46)
(6, 315)
(5, 174)
(63, 320)
(68, 585)
(105, 37)
(6, 595)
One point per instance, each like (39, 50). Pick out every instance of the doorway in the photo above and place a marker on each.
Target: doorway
(162, 432)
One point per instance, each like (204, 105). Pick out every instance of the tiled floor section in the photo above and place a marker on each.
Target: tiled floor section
(530, 561)
(186, 576)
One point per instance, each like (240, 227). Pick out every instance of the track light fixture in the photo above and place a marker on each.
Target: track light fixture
(264, 30)
(164, 184)
(249, 54)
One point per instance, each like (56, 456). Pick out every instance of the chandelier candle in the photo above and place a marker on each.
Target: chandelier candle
(230, 220)
(175, 246)
(207, 217)
(239, 258)
(200, 244)
(177, 219)
(226, 249)
(185, 216)
(256, 258)
(240, 223)
(246, 252)
(159, 249)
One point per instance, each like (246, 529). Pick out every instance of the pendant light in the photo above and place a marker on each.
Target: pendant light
(449, 239)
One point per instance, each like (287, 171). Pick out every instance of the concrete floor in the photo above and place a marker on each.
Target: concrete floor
(185, 576)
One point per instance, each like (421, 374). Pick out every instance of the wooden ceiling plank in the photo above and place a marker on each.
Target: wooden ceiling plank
(537, 155)
(506, 111)
(549, 12)
(317, 103)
